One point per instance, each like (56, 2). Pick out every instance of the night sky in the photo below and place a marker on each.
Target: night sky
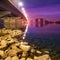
(47, 9)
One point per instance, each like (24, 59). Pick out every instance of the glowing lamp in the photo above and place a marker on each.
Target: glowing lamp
(20, 4)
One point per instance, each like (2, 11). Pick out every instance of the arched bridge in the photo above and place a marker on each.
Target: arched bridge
(12, 17)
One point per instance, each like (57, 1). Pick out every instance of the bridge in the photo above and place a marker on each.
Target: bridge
(11, 15)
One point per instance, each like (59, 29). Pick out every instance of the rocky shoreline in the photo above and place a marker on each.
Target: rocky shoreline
(13, 49)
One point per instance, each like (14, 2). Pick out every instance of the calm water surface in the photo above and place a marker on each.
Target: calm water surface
(45, 37)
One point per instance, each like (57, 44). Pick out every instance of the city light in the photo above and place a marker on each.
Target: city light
(20, 4)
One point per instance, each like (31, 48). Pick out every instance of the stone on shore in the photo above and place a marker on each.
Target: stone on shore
(43, 57)
(30, 59)
(15, 58)
(8, 58)
(2, 54)
(23, 59)
(25, 47)
(13, 49)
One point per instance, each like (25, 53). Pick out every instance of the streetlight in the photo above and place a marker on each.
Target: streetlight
(20, 4)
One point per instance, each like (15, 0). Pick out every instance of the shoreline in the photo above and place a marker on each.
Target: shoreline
(12, 48)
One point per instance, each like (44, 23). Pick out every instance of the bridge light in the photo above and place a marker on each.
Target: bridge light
(24, 12)
(20, 4)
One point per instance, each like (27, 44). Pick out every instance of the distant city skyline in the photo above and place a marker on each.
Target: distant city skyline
(40, 22)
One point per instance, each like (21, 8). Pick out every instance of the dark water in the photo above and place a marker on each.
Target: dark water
(47, 37)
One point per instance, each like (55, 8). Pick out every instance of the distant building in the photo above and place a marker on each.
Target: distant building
(37, 22)
(31, 23)
(46, 22)
(57, 22)
(41, 22)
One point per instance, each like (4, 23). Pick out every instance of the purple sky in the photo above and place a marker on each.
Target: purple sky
(49, 9)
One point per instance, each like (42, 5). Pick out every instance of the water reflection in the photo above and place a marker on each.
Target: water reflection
(45, 34)
(40, 22)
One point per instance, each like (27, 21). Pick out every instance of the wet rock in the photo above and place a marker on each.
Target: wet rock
(29, 59)
(12, 52)
(47, 52)
(14, 48)
(17, 44)
(11, 41)
(32, 50)
(2, 53)
(39, 52)
(24, 43)
(15, 58)
(22, 59)
(25, 47)
(24, 54)
(8, 58)
(3, 43)
(43, 57)
(1, 59)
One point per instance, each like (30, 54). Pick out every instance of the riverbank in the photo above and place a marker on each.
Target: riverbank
(13, 48)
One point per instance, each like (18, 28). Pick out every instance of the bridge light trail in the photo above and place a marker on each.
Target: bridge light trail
(20, 4)
(24, 12)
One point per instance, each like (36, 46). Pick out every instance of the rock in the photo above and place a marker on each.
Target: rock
(12, 35)
(12, 52)
(24, 54)
(29, 59)
(2, 54)
(24, 43)
(22, 59)
(15, 33)
(17, 44)
(8, 58)
(43, 57)
(4, 43)
(14, 48)
(15, 58)
(38, 52)
(1, 59)
(25, 47)
(11, 41)
(47, 52)
(1, 47)
(0, 39)
(33, 50)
